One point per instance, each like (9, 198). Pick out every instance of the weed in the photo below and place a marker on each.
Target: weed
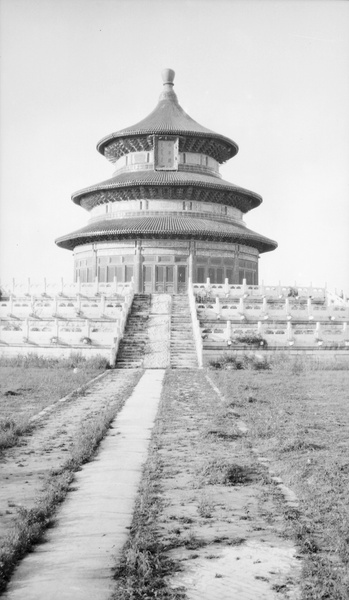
(11, 430)
(205, 507)
(299, 444)
(298, 366)
(225, 435)
(227, 473)
(144, 566)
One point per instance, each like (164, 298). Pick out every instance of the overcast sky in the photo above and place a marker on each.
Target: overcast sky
(271, 75)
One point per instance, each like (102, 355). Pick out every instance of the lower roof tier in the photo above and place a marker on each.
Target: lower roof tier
(170, 227)
(167, 185)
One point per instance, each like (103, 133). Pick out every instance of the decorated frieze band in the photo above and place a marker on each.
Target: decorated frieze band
(214, 148)
(175, 191)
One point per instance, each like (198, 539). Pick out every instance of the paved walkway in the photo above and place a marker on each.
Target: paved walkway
(157, 350)
(76, 560)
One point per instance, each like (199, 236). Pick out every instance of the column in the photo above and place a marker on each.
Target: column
(236, 267)
(94, 264)
(190, 262)
(138, 268)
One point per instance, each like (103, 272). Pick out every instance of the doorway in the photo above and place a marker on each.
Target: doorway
(181, 279)
(164, 280)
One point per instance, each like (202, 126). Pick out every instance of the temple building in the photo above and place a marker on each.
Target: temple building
(166, 215)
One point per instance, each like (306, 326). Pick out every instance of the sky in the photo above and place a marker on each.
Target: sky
(271, 75)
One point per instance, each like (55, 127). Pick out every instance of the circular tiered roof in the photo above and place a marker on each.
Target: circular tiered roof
(168, 118)
(180, 181)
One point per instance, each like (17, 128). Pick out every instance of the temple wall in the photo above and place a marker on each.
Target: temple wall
(166, 265)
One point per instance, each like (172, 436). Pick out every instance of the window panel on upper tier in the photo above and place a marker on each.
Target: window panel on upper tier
(166, 154)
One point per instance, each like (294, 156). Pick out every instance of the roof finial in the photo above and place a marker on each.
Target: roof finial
(168, 93)
(168, 76)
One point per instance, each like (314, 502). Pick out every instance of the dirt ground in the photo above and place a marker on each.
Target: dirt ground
(226, 444)
(25, 467)
(221, 520)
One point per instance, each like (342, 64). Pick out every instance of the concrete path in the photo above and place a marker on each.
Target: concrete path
(77, 557)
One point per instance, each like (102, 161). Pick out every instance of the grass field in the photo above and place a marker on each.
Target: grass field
(298, 418)
(200, 465)
(30, 383)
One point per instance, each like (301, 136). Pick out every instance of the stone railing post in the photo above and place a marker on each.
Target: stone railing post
(226, 286)
(264, 304)
(217, 307)
(57, 328)
(196, 326)
(26, 329)
(87, 328)
(102, 305)
(287, 306)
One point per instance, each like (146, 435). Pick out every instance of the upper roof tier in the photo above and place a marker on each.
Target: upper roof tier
(168, 118)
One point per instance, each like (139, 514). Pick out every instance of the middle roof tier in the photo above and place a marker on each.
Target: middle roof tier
(171, 185)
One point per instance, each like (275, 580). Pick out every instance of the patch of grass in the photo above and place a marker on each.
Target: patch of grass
(31, 523)
(28, 361)
(11, 430)
(220, 471)
(145, 565)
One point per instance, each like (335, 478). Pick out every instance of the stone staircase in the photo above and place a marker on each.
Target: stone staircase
(132, 346)
(182, 345)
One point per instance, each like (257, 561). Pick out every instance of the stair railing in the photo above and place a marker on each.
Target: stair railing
(196, 324)
(121, 323)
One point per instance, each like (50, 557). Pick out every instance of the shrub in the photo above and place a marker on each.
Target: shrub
(237, 362)
(251, 339)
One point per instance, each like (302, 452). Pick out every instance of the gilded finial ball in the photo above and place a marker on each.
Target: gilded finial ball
(168, 76)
